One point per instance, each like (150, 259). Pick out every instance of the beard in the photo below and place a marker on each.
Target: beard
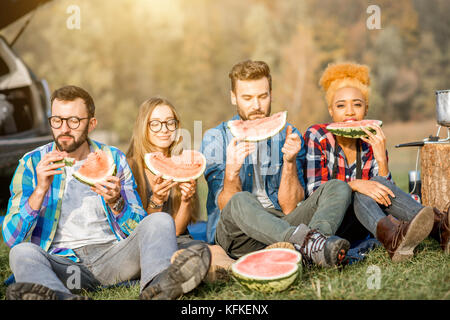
(74, 145)
(255, 113)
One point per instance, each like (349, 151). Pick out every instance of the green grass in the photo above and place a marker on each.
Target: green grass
(426, 276)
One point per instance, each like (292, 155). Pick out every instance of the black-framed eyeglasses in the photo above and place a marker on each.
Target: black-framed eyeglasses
(156, 125)
(72, 122)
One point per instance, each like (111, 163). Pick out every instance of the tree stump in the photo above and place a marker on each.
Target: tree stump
(435, 175)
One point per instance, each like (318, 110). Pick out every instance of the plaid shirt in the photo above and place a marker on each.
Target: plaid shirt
(320, 159)
(22, 223)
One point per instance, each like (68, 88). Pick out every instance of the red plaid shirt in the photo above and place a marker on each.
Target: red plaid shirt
(320, 159)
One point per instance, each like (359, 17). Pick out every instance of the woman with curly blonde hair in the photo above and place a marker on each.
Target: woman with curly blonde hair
(157, 129)
(391, 215)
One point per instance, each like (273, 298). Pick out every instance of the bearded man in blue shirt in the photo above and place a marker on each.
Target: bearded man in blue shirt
(256, 191)
(66, 236)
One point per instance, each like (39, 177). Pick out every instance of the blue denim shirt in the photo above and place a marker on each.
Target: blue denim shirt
(214, 145)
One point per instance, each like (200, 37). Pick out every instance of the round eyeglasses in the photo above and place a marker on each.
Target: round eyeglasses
(156, 125)
(72, 122)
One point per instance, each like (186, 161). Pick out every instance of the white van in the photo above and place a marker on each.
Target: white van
(24, 99)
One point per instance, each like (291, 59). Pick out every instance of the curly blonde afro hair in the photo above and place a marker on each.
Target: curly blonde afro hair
(344, 75)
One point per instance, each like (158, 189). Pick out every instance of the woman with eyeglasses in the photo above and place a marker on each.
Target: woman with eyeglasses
(156, 130)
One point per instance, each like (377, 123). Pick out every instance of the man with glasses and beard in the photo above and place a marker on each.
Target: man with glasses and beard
(66, 236)
(256, 195)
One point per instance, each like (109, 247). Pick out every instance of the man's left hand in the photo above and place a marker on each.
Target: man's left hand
(292, 145)
(108, 189)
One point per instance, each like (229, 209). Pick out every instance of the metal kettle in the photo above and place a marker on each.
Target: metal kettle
(443, 107)
(443, 119)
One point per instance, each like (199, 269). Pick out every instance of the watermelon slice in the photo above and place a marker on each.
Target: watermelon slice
(189, 165)
(352, 129)
(96, 168)
(69, 162)
(268, 270)
(258, 129)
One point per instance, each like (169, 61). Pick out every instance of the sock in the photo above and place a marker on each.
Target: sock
(315, 243)
(298, 236)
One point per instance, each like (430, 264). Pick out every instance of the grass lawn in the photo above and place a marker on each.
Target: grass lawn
(426, 276)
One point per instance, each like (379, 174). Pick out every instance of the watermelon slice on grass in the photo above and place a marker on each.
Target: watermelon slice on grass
(96, 168)
(353, 129)
(258, 129)
(187, 166)
(268, 270)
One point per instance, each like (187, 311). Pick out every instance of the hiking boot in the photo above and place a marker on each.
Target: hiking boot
(400, 238)
(35, 291)
(220, 267)
(319, 249)
(441, 228)
(187, 270)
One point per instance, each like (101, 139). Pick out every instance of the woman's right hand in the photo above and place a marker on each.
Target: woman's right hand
(373, 189)
(160, 188)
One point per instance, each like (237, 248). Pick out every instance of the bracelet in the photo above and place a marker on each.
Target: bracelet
(119, 204)
(153, 205)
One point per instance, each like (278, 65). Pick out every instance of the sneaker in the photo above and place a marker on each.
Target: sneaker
(317, 248)
(187, 270)
(35, 291)
(220, 267)
(323, 251)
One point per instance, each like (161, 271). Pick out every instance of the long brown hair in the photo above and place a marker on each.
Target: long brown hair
(140, 145)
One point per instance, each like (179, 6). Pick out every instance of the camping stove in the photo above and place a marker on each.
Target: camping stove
(443, 120)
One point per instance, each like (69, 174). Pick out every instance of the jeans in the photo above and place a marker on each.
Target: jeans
(144, 253)
(246, 226)
(369, 212)
(185, 240)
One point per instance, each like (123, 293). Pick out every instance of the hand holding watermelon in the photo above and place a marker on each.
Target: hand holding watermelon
(187, 190)
(47, 168)
(160, 188)
(292, 145)
(377, 141)
(237, 151)
(108, 189)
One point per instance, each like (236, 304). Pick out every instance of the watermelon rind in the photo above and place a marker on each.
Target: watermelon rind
(268, 135)
(268, 284)
(352, 132)
(69, 162)
(169, 177)
(91, 182)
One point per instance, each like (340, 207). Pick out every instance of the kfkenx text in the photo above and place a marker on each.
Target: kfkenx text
(229, 309)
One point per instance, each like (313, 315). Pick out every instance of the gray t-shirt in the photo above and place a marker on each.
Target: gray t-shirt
(83, 219)
(259, 183)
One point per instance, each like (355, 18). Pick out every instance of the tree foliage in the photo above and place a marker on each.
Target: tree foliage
(127, 51)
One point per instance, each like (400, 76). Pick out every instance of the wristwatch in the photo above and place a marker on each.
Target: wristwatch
(154, 205)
